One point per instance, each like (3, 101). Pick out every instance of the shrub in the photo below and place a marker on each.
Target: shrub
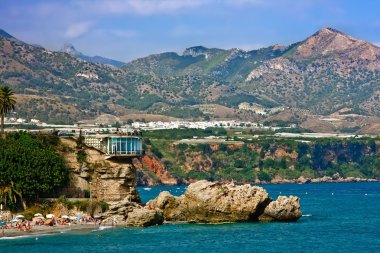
(104, 206)
(263, 176)
(81, 156)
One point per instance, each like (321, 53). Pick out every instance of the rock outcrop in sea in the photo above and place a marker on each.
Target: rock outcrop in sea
(210, 202)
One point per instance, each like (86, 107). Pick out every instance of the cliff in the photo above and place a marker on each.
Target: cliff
(152, 171)
(264, 160)
(91, 175)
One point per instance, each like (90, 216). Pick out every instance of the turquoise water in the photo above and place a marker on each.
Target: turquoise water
(337, 218)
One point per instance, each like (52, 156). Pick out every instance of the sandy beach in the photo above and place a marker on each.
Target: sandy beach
(43, 230)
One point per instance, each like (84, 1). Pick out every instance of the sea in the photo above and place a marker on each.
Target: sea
(337, 217)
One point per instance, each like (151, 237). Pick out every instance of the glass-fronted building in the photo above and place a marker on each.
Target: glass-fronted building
(116, 145)
(122, 145)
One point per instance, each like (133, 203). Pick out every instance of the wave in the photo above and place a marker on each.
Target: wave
(102, 228)
(24, 236)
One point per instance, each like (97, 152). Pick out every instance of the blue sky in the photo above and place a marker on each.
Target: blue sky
(128, 29)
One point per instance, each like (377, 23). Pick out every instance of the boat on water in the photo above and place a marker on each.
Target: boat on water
(147, 188)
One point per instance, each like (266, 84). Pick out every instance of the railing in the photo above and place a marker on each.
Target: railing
(134, 152)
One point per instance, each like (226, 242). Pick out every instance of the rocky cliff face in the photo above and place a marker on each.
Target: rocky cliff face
(108, 180)
(154, 171)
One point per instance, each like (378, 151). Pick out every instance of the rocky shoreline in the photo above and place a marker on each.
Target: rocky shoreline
(300, 180)
(336, 178)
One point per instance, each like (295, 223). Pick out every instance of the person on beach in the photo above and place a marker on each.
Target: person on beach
(28, 226)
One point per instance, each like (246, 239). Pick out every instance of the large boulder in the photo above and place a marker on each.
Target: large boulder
(142, 217)
(208, 202)
(283, 209)
(122, 207)
(171, 206)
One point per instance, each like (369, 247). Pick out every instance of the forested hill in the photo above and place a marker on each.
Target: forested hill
(323, 73)
(247, 159)
(326, 72)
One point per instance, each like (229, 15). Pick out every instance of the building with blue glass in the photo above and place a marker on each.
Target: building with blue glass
(116, 145)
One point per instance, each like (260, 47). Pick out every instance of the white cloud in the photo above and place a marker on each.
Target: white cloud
(77, 29)
(140, 7)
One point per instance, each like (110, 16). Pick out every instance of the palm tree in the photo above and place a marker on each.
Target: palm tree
(7, 103)
(9, 193)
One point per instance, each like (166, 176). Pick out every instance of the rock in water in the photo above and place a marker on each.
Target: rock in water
(208, 202)
(142, 217)
(283, 209)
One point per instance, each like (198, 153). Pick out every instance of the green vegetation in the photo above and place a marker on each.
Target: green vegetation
(7, 103)
(170, 83)
(184, 112)
(89, 206)
(264, 158)
(177, 134)
(81, 156)
(30, 168)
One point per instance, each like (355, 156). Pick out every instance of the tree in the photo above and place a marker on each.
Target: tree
(116, 124)
(9, 193)
(7, 103)
(30, 168)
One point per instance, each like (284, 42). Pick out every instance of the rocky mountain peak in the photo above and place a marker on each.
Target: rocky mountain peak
(328, 30)
(195, 51)
(279, 47)
(70, 49)
(328, 41)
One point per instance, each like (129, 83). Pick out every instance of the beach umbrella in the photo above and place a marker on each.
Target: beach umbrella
(65, 217)
(38, 215)
(20, 216)
(38, 218)
(50, 216)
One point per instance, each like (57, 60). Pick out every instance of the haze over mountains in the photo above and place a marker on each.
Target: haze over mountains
(324, 73)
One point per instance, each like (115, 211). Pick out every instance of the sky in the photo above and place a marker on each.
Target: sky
(128, 29)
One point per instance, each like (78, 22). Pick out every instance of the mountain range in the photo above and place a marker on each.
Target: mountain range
(70, 49)
(326, 72)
